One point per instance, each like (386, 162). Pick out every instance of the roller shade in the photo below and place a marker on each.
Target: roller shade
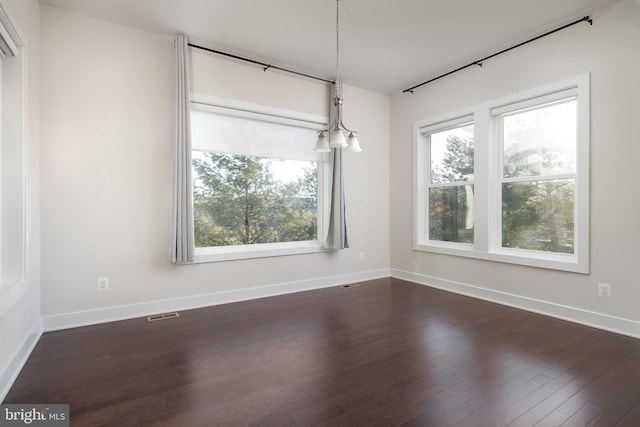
(248, 136)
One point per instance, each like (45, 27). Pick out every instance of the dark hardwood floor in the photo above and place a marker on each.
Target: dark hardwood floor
(385, 353)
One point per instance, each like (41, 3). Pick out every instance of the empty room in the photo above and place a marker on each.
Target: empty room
(320, 212)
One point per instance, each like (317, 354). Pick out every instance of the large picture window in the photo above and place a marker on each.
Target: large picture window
(508, 180)
(258, 185)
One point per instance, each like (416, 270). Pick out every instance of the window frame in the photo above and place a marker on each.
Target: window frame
(15, 179)
(234, 108)
(488, 182)
(427, 131)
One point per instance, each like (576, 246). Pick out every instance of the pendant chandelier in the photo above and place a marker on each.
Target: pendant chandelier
(334, 135)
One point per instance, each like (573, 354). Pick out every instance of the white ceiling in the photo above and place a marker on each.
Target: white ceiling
(385, 45)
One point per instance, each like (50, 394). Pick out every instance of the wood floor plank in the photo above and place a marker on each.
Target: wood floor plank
(385, 353)
(631, 418)
(622, 403)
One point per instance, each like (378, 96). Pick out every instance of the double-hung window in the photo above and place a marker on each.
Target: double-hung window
(508, 180)
(537, 140)
(259, 188)
(449, 187)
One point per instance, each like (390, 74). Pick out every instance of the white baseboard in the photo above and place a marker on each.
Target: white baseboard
(584, 317)
(9, 375)
(110, 314)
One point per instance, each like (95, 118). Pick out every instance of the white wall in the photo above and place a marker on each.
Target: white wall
(107, 126)
(20, 325)
(609, 51)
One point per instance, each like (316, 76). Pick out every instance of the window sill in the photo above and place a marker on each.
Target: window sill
(552, 261)
(264, 250)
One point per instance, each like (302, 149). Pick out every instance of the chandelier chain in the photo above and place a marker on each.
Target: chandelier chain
(338, 43)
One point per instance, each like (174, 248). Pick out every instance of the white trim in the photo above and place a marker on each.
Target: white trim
(538, 178)
(487, 217)
(11, 296)
(11, 372)
(537, 101)
(10, 30)
(539, 259)
(605, 322)
(262, 250)
(111, 314)
(217, 104)
(7, 45)
(445, 125)
(14, 133)
(241, 109)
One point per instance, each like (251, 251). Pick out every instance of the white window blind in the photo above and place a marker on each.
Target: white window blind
(236, 135)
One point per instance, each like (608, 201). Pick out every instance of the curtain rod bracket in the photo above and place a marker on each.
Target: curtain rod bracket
(266, 68)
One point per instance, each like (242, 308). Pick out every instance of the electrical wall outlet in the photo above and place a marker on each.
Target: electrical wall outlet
(361, 256)
(103, 283)
(604, 290)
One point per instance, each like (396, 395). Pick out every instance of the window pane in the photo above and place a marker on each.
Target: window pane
(452, 155)
(451, 213)
(241, 200)
(538, 215)
(541, 141)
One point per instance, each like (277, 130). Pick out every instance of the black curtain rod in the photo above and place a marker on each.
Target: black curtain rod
(480, 61)
(265, 65)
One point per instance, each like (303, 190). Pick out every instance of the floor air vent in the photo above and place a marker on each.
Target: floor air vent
(350, 286)
(163, 316)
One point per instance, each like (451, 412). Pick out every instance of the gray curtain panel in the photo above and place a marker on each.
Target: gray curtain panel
(337, 234)
(183, 245)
